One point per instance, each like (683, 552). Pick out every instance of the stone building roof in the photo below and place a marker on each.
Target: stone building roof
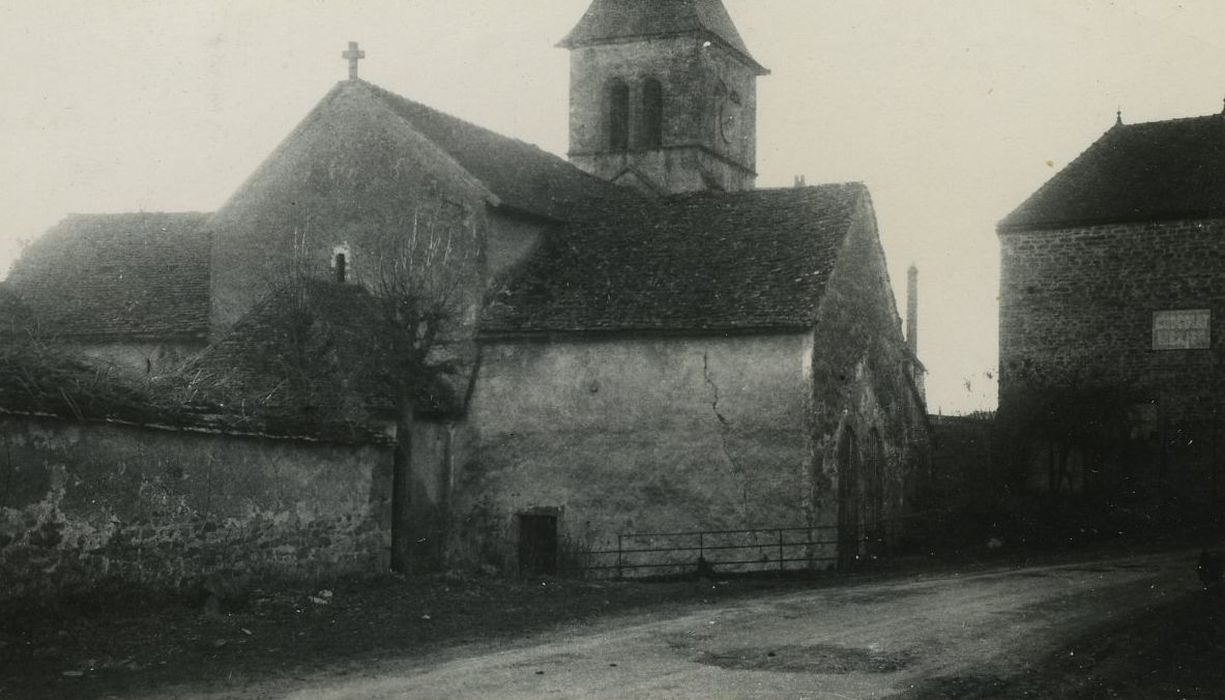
(105, 276)
(611, 21)
(750, 260)
(346, 160)
(1172, 169)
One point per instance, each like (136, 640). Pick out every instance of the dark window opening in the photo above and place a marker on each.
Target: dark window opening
(652, 114)
(341, 268)
(537, 545)
(619, 117)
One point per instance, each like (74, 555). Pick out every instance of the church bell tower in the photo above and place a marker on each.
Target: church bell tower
(663, 96)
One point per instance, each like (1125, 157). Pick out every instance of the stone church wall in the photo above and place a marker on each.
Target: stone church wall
(86, 504)
(1082, 388)
(634, 435)
(870, 429)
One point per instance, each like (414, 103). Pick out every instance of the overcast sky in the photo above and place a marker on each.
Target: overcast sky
(952, 111)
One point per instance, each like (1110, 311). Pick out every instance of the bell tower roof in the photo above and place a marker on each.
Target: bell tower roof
(613, 21)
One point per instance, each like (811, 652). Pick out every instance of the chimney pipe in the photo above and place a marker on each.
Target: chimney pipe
(912, 309)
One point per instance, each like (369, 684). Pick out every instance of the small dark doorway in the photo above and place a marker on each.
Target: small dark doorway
(537, 544)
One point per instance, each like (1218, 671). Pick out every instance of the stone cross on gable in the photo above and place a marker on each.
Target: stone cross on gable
(353, 55)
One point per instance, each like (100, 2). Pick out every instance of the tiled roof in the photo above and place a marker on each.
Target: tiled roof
(100, 276)
(309, 352)
(750, 260)
(1159, 170)
(608, 21)
(522, 176)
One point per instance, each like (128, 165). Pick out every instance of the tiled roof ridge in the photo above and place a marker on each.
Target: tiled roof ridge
(1171, 120)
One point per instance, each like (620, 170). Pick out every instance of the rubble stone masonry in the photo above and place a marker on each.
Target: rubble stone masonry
(85, 504)
(1077, 305)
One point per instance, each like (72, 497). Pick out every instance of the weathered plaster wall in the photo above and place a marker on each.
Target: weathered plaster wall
(83, 503)
(627, 435)
(694, 141)
(1076, 326)
(862, 388)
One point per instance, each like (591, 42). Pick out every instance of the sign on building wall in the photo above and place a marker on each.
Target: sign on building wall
(1186, 329)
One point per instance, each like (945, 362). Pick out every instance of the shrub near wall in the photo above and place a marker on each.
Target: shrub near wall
(86, 503)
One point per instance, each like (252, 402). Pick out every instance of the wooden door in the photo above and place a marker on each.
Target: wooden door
(537, 545)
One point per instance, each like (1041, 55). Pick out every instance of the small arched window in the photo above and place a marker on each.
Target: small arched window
(652, 114)
(619, 116)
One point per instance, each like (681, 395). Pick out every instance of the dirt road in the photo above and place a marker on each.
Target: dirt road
(873, 640)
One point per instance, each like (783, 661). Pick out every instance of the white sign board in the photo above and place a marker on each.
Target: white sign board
(1188, 329)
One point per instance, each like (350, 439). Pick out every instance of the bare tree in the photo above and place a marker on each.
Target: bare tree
(394, 331)
(424, 276)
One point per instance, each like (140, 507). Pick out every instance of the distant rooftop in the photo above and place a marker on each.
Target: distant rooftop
(103, 276)
(1173, 169)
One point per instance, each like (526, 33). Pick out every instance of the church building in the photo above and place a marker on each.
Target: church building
(655, 343)
(1112, 305)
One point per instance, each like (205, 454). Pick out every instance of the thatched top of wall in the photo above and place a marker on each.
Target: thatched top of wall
(36, 379)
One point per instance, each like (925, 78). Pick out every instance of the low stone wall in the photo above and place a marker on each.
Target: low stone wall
(84, 504)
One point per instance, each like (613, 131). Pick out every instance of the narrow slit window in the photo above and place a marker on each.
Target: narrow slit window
(342, 268)
(652, 114)
(619, 116)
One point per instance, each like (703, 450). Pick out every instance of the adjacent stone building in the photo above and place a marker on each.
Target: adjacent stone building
(1112, 300)
(651, 343)
(130, 290)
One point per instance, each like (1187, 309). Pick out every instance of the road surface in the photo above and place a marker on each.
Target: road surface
(872, 640)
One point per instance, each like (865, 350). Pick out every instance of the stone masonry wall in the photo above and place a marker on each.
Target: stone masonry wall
(862, 388)
(83, 504)
(1076, 316)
